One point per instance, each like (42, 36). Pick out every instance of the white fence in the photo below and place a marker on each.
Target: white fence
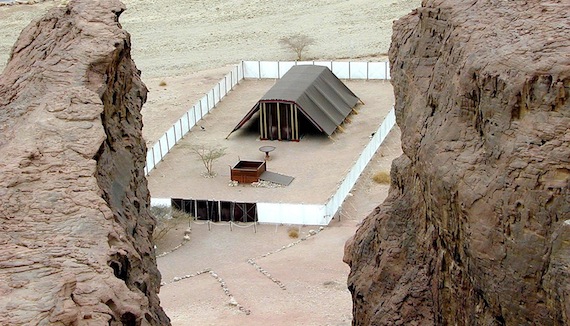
(253, 69)
(306, 214)
(189, 119)
(288, 213)
(323, 214)
(342, 69)
(336, 200)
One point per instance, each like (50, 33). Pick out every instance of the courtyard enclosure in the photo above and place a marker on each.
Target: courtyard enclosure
(265, 212)
(259, 70)
(306, 96)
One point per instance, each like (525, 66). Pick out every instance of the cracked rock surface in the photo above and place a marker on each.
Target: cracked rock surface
(476, 228)
(75, 228)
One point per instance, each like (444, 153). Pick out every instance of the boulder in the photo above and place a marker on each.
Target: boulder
(476, 226)
(75, 224)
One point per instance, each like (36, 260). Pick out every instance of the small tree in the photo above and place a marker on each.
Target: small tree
(297, 42)
(208, 155)
(167, 219)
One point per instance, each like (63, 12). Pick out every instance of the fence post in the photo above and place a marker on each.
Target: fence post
(187, 121)
(167, 144)
(219, 211)
(208, 102)
(153, 159)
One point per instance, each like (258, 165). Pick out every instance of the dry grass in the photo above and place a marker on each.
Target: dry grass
(293, 232)
(162, 83)
(381, 177)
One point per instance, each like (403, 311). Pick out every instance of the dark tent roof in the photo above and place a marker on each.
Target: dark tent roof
(318, 93)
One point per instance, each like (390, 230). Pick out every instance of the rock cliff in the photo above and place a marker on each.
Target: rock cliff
(476, 227)
(75, 225)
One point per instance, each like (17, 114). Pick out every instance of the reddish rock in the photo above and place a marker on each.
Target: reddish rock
(476, 228)
(75, 225)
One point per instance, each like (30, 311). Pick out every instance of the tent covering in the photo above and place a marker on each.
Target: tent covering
(316, 92)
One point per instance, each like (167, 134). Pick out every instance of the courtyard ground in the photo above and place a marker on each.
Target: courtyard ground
(317, 162)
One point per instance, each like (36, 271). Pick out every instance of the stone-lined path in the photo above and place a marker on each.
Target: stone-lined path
(251, 261)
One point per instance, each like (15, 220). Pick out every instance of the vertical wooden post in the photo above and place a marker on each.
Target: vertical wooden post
(261, 131)
(292, 122)
(255, 219)
(287, 122)
(278, 122)
(219, 211)
(297, 121)
(208, 209)
(264, 120)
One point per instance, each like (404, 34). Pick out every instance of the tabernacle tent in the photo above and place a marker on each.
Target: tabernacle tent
(305, 93)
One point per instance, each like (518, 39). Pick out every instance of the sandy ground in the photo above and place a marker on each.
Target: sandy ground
(311, 271)
(190, 45)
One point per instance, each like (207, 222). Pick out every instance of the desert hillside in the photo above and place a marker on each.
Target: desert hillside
(176, 37)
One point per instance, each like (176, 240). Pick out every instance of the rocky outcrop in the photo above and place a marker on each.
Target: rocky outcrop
(75, 225)
(476, 228)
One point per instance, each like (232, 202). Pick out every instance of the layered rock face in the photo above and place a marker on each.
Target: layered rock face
(476, 228)
(75, 225)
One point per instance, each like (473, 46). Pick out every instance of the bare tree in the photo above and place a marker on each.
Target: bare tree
(166, 220)
(208, 155)
(297, 42)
